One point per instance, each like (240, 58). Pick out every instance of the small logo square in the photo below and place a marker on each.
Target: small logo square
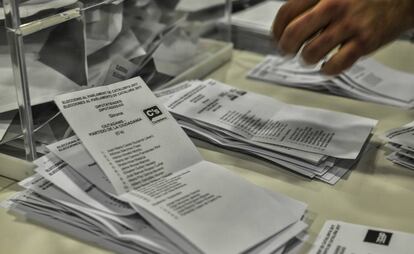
(378, 237)
(152, 113)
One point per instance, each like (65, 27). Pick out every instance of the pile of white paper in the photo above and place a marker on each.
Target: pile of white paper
(132, 181)
(251, 28)
(346, 238)
(198, 5)
(290, 72)
(313, 142)
(366, 80)
(401, 142)
(257, 19)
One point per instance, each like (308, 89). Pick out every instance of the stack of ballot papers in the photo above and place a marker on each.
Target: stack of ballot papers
(346, 238)
(313, 142)
(251, 28)
(290, 72)
(401, 142)
(257, 19)
(198, 5)
(366, 80)
(132, 181)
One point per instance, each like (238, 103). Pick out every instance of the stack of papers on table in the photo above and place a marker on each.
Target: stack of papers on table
(251, 28)
(401, 142)
(290, 72)
(257, 19)
(132, 181)
(313, 142)
(366, 80)
(341, 237)
(198, 5)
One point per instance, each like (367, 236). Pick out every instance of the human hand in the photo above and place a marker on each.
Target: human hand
(354, 27)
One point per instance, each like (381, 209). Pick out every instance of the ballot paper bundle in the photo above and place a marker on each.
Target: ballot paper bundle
(366, 80)
(132, 181)
(401, 142)
(258, 18)
(313, 142)
(251, 28)
(290, 72)
(346, 238)
(199, 5)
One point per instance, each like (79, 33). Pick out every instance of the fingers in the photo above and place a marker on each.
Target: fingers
(332, 36)
(347, 55)
(287, 13)
(352, 25)
(309, 23)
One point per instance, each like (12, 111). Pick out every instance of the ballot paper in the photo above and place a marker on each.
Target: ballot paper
(135, 228)
(290, 72)
(251, 27)
(198, 5)
(313, 142)
(258, 18)
(103, 25)
(341, 237)
(153, 166)
(273, 122)
(42, 199)
(382, 81)
(131, 233)
(55, 170)
(41, 76)
(366, 80)
(118, 46)
(73, 194)
(400, 142)
(112, 62)
(72, 151)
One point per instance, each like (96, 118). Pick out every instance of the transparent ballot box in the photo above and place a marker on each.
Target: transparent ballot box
(50, 47)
